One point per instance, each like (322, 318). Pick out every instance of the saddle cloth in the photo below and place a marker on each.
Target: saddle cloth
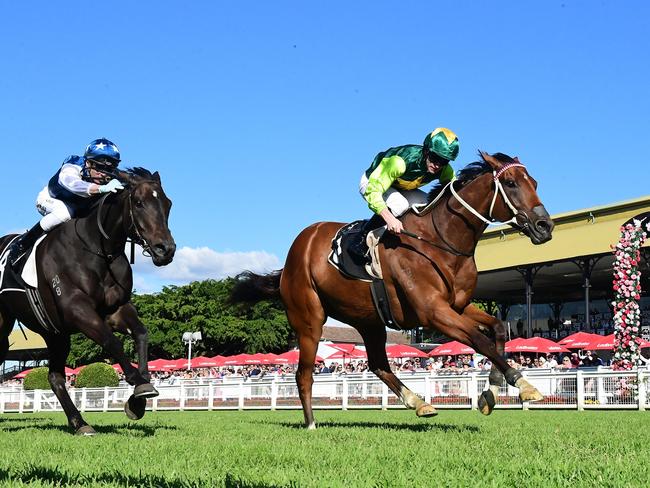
(340, 257)
(25, 281)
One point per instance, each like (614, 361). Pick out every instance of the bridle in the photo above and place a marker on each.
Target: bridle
(138, 239)
(498, 190)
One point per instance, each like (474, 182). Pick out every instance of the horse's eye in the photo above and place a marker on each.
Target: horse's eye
(510, 183)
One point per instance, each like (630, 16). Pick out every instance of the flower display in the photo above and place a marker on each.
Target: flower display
(627, 292)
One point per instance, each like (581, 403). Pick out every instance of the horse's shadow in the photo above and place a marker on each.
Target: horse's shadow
(403, 426)
(141, 430)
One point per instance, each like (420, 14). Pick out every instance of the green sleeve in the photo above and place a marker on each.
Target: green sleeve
(447, 174)
(387, 171)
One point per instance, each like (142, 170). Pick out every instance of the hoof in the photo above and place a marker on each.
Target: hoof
(426, 410)
(86, 430)
(527, 392)
(486, 402)
(134, 407)
(145, 390)
(531, 394)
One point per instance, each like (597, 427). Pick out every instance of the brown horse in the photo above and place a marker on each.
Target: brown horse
(430, 280)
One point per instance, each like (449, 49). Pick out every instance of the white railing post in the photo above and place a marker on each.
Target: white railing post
(274, 393)
(642, 390)
(211, 388)
(344, 394)
(580, 390)
(427, 389)
(37, 401)
(2, 402)
(240, 405)
(384, 396)
(472, 389)
(364, 385)
(21, 401)
(182, 395)
(83, 400)
(107, 394)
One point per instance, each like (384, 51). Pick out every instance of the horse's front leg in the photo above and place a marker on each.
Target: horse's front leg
(59, 347)
(488, 398)
(86, 320)
(463, 329)
(126, 320)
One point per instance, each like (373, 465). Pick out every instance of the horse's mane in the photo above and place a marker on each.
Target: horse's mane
(469, 173)
(135, 175)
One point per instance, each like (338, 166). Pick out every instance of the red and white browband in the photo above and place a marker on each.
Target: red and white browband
(505, 168)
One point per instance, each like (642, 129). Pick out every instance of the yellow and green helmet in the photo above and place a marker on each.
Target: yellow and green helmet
(442, 142)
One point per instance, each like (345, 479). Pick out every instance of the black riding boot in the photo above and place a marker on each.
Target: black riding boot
(21, 245)
(359, 249)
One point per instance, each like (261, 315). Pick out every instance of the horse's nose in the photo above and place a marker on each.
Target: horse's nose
(544, 226)
(164, 249)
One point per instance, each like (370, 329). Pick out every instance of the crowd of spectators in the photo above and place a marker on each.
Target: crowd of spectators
(441, 364)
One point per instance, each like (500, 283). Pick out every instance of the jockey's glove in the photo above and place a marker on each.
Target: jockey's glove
(112, 187)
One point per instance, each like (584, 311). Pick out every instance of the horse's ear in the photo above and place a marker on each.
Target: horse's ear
(517, 160)
(156, 176)
(494, 163)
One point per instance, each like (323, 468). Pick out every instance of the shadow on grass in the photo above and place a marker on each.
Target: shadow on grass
(423, 427)
(46, 475)
(47, 425)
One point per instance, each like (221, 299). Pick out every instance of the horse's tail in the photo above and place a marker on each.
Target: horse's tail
(252, 288)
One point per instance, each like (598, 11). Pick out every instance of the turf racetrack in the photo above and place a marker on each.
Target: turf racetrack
(349, 449)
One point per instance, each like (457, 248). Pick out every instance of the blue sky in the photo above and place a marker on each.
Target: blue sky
(261, 116)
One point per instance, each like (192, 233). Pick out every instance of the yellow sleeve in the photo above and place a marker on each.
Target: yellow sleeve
(380, 180)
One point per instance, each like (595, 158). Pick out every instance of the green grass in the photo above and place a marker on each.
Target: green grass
(349, 449)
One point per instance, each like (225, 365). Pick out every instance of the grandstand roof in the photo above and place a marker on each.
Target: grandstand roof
(582, 233)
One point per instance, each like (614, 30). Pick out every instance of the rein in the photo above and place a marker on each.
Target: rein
(498, 189)
(146, 250)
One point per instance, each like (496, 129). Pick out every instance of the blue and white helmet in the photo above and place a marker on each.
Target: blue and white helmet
(104, 152)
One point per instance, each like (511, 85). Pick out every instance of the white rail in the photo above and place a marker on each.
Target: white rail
(575, 389)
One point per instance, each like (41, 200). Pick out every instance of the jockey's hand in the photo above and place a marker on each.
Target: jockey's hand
(111, 187)
(392, 223)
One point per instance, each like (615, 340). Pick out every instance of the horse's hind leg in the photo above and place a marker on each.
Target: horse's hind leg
(307, 318)
(59, 347)
(487, 399)
(6, 324)
(375, 341)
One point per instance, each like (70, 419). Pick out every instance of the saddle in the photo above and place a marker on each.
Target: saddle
(342, 260)
(24, 279)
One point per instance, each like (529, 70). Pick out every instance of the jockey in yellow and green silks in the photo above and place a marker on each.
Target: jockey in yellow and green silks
(391, 184)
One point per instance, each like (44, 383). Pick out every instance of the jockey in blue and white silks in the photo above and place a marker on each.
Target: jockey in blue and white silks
(70, 189)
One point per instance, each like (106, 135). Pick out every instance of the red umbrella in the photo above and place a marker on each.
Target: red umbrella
(343, 346)
(23, 373)
(166, 364)
(292, 356)
(236, 360)
(534, 344)
(601, 343)
(403, 351)
(352, 354)
(205, 362)
(453, 348)
(579, 340)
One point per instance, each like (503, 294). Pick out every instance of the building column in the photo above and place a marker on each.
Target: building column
(587, 266)
(529, 273)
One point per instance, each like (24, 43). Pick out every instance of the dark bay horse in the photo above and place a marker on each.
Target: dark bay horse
(430, 281)
(85, 281)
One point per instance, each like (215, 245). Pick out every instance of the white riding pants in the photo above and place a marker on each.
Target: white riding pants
(397, 201)
(54, 211)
